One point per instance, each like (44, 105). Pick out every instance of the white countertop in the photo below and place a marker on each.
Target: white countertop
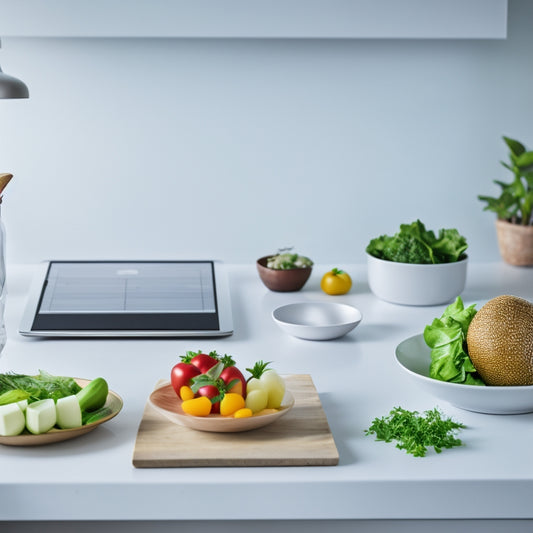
(357, 378)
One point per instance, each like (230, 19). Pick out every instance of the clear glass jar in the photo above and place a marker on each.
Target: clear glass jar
(3, 288)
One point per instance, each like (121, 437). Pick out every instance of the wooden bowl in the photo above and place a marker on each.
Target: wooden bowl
(282, 280)
(114, 402)
(165, 400)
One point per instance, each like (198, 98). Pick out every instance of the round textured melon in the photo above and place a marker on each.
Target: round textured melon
(500, 341)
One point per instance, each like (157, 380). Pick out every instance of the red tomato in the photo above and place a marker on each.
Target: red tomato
(211, 392)
(203, 362)
(182, 374)
(231, 373)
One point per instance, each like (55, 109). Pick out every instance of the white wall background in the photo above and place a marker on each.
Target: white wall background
(178, 148)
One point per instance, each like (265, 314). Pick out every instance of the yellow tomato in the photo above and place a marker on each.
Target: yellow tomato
(243, 413)
(230, 403)
(200, 406)
(186, 393)
(336, 282)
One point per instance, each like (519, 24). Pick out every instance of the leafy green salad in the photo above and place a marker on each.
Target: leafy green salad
(415, 244)
(44, 385)
(446, 336)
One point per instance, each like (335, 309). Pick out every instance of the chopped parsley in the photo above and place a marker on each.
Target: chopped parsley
(415, 432)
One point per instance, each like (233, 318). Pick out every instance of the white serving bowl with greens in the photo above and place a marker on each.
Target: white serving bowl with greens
(411, 284)
(417, 267)
(439, 362)
(414, 358)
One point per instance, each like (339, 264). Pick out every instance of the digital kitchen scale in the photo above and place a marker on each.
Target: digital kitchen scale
(128, 299)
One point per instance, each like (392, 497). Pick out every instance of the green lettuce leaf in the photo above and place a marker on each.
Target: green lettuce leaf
(446, 336)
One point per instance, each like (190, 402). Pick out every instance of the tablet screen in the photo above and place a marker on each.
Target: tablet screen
(129, 296)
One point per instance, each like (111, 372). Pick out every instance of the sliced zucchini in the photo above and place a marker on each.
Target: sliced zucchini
(23, 404)
(12, 420)
(41, 416)
(68, 412)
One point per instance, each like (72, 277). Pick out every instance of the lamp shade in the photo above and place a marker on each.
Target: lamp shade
(11, 87)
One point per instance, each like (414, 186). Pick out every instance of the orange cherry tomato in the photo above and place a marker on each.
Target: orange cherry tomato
(231, 403)
(186, 393)
(200, 406)
(243, 413)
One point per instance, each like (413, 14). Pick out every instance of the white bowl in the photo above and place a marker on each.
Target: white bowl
(317, 321)
(414, 356)
(410, 284)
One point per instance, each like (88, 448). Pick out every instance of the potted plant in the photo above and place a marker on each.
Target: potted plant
(514, 207)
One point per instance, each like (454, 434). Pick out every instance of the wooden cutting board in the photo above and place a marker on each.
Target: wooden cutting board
(300, 438)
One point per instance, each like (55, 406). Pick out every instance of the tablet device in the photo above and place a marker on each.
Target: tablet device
(128, 299)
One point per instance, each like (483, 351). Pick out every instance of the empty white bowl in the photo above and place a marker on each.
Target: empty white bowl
(410, 284)
(317, 321)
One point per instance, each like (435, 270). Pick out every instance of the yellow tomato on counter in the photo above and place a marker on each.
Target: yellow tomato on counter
(336, 282)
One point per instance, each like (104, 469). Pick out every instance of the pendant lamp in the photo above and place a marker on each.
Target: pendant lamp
(11, 87)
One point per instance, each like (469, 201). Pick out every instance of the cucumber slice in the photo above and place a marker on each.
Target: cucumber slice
(68, 412)
(11, 420)
(93, 395)
(41, 416)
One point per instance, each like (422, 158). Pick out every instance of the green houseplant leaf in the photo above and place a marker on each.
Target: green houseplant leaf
(516, 147)
(525, 160)
(514, 203)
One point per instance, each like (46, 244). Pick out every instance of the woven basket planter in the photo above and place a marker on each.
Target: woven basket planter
(515, 242)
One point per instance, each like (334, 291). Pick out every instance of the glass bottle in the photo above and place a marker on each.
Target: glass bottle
(3, 289)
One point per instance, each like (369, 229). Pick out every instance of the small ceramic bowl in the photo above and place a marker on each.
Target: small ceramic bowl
(410, 284)
(317, 321)
(282, 280)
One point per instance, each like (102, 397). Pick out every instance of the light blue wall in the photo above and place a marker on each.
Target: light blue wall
(233, 148)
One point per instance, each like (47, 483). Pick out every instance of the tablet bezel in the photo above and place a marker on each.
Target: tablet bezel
(222, 295)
